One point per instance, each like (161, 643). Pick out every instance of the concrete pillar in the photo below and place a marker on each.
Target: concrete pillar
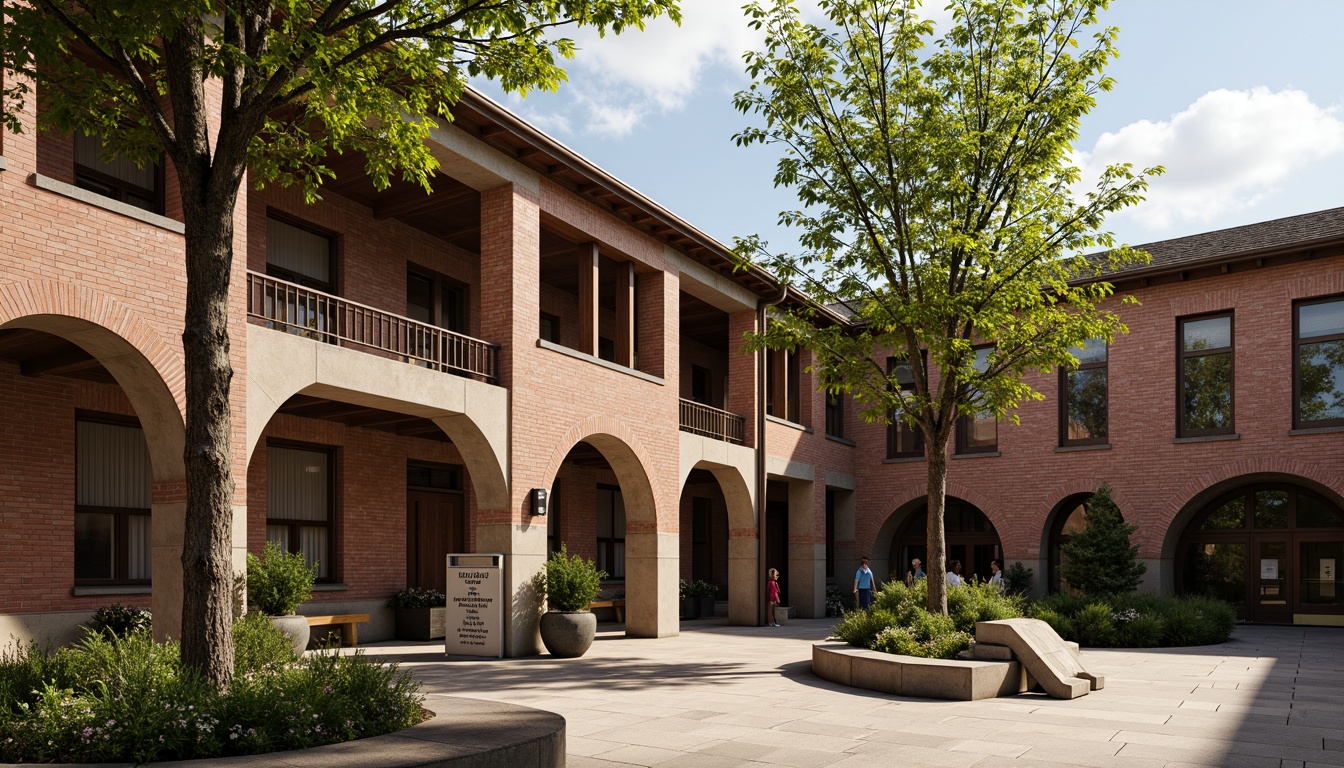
(589, 270)
(524, 548)
(744, 588)
(846, 552)
(807, 552)
(652, 588)
(167, 524)
(625, 314)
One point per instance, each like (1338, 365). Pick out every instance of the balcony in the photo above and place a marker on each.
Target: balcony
(700, 419)
(330, 319)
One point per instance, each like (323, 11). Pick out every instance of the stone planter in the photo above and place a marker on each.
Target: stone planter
(781, 615)
(295, 628)
(420, 623)
(706, 610)
(690, 608)
(568, 634)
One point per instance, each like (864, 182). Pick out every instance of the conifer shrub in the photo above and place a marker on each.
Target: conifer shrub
(1100, 560)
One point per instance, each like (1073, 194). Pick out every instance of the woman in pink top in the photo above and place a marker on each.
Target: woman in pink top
(772, 598)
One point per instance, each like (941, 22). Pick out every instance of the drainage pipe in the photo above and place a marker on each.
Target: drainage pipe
(762, 306)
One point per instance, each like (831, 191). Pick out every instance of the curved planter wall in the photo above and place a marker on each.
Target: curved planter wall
(910, 676)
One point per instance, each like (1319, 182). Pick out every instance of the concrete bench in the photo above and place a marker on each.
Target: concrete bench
(346, 621)
(617, 607)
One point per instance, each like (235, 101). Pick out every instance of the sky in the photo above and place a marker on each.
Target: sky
(1242, 101)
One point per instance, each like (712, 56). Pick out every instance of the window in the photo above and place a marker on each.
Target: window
(553, 537)
(783, 375)
(437, 300)
(702, 539)
(550, 328)
(113, 492)
(1318, 363)
(903, 440)
(606, 349)
(610, 532)
(702, 385)
(299, 499)
(979, 433)
(835, 414)
(1083, 396)
(300, 255)
(1204, 399)
(119, 179)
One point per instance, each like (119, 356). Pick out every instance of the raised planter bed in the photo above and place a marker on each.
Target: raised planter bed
(910, 676)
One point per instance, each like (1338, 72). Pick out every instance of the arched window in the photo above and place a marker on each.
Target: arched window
(1070, 517)
(970, 537)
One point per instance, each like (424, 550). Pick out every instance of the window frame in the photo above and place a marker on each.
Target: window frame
(439, 283)
(332, 238)
(1182, 355)
(784, 379)
(1064, 440)
(610, 541)
(554, 320)
(964, 425)
(1298, 422)
(120, 186)
(835, 415)
(333, 505)
(121, 555)
(897, 423)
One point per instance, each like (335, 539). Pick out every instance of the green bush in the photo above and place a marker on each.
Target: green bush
(1017, 579)
(125, 700)
(899, 623)
(860, 628)
(1094, 626)
(1100, 559)
(417, 597)
(1138, 620)
(1141, 632)
(571, 582)
(278, 581)
(117, 620)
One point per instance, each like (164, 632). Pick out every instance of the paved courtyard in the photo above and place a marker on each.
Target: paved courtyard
(744, 696)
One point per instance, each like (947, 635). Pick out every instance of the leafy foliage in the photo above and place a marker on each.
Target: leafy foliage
(571, 582)
(417, 597)
(1099, 559)
(1018, 578)
(938, 202)
(899, 621)
(278, 581)
(1137, 620)
(117, 620)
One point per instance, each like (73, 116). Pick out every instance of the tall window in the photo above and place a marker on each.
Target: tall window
(299, 501)
(1318, 371)
(437, 300)
(835, 414)
(113, 486)
(1083, 396)
(702, 539)
(903, 440)
(610, 532)
(300, 255)
(784, 376)
(118, 179)
(1204, 382)
(979, 432)
(553, 537)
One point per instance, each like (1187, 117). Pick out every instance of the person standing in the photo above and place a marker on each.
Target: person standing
(997, 578)
(772, 598)
(864, 584)
(954, 574)
(916, 571)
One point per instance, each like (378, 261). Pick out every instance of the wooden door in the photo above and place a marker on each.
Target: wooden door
(1272, 575)
(434, 527)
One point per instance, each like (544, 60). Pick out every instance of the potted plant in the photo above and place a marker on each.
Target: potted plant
(568, 628)
(705, 595)
(689, 603)
(277, 582)
(420, 613)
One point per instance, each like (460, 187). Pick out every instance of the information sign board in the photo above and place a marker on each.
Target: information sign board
(475, 615)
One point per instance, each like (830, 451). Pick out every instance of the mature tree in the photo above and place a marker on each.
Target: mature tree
(940, 203)
(295, 82)
(1099, 559)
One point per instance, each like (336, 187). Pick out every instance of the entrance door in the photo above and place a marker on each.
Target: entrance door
(433, 529)
(777, 545)
(1272, 596)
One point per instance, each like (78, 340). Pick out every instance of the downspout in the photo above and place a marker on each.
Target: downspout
(762, 567)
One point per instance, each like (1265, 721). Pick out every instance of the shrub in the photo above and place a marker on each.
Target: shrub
(1138, 620)
(571, 582)
(981, 601)
(117, 620)
(702, 589)
(1017, 579)
(258, 645)
(278, 581)
(860, 628)
(899, 623)
(1100, 560)
(1093, 626)
(1141, 632)
(417, 597)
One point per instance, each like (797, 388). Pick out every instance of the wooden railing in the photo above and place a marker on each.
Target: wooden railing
(303, 311)
(701, 419)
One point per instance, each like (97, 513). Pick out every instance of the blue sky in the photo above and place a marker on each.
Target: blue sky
(1242, 101)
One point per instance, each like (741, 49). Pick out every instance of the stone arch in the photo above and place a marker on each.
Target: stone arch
(623, 451)
(742, 543)
(907, 504)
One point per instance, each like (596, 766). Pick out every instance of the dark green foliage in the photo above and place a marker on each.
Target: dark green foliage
(900, 623)
(1137, 620)
(860, 628)
(1100, 560)
(117, 620)
(1018, 578)
(131, 699)
(278, 581)
(416, 597)
(571, 582)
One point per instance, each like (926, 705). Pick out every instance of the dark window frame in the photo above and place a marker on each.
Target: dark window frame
(897, 423)
(333, 506)
(1298, 422)
(92, 177)
(964, 426)
(835, 414)
(1064, 439)
(121, 557)
(439, 283)
(333, 262)
(610, 542)
(1182, 355)
(787, 390)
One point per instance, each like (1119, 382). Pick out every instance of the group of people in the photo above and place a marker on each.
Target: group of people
(865, 583)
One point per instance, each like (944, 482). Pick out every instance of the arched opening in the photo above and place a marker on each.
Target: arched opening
(717, 538)
(1272, 549)
(1069, 517)
(971, 539)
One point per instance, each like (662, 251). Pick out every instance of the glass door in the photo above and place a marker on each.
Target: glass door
(1321, 585)
(1272, 577)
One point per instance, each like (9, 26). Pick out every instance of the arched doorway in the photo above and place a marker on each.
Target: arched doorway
(1272, 549)
(971, 538)
(1069, 517)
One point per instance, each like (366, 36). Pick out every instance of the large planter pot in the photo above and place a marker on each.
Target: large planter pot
(690, 608)
(568, 634)
(420, 623)
(706, 607)
(295, 628)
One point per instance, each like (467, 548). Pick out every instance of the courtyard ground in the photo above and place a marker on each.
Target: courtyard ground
(720, 696)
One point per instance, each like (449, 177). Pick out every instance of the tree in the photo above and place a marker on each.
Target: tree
(297, 82)
(1099, 560)
(939, 206)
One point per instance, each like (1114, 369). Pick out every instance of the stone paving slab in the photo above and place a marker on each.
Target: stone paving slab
(723, 697)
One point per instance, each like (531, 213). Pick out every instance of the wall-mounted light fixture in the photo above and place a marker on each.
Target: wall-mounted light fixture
(539, 501)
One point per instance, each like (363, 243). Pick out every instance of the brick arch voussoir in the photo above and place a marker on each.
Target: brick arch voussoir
(606, 425)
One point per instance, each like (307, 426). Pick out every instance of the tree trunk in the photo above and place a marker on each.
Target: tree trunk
(207, 568)
(936, 453)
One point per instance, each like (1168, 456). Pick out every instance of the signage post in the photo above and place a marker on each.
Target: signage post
(474, 620)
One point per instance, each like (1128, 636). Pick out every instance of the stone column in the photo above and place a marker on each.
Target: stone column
(589, 271)
(625, 314)
(807, 551)
(744, 589)
(651, 578)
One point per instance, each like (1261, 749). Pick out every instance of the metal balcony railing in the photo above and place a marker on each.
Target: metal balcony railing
(701, 419)
(303, 311)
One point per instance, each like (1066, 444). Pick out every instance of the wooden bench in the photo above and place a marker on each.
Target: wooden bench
(617, 607)
(346, 621)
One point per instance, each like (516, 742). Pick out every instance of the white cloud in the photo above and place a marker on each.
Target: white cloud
(1225, 153)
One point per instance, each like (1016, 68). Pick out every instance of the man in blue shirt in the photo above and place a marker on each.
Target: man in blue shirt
(864, 584)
